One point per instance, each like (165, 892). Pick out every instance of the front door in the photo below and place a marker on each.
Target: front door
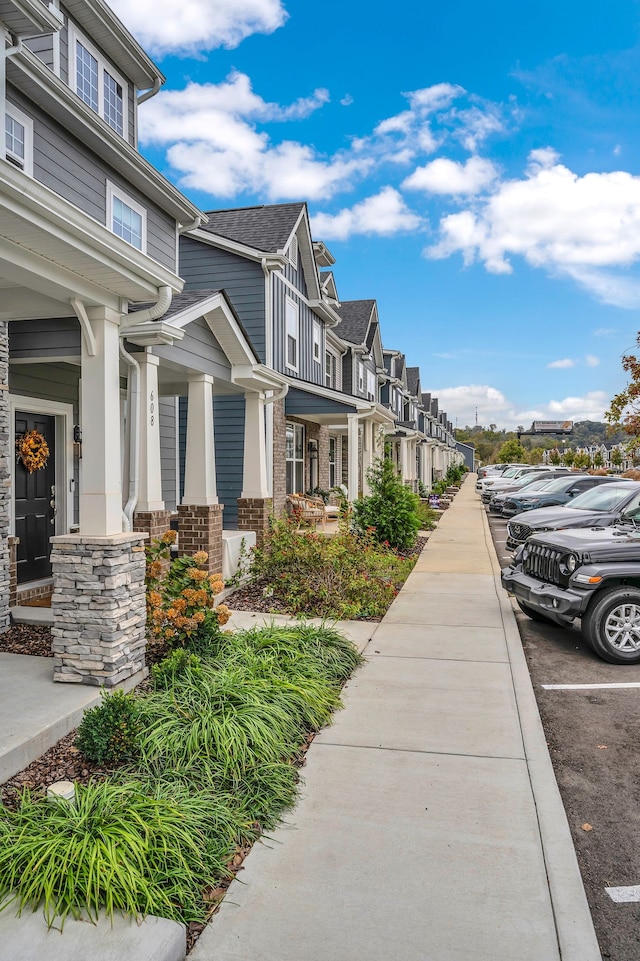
(35, 500)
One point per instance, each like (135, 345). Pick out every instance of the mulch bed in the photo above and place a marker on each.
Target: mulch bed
(34, 639)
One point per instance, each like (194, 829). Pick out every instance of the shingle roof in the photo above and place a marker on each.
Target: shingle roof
(265, 228)
(180, 302)
(355, 316)
(426, 402)
(413, 380)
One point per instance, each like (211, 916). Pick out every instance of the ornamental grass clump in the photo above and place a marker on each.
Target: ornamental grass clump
(347, 576)
(181, 596)
(115, 848)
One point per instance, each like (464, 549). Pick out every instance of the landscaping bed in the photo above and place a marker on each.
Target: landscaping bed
(34, 639)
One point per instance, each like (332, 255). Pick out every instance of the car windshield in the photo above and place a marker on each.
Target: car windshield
(511, 472)
(559, 484)
(603, 498)
(540, 483)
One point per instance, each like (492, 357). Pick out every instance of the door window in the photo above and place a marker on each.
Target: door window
(295, 458)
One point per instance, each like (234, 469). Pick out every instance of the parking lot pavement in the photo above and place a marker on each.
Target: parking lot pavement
(593, 734)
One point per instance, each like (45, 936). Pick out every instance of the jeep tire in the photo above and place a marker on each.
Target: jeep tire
(611, 625)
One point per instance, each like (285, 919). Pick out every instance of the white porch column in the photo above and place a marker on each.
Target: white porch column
(352, 455)
(150, 485)
(368, 453)
(405, 459)
(101, 490)
(254, 472)
(200, 461)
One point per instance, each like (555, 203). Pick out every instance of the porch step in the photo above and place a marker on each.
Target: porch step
(22, 614)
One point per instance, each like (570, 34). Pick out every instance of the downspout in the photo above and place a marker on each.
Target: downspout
(157, 310)
(17, 48)
(194, 225)
(133, 434)
(151, 92)
(278, 395)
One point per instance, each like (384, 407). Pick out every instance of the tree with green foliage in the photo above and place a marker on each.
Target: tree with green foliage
(512, 451)
(598, 459)
(391, 509)
(554, 457)
(569, 457)
(582, 461)
(536, 455)
(616, 457)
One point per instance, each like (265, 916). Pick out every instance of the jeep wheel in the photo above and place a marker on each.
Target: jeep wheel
(532, 612)
(612, 625)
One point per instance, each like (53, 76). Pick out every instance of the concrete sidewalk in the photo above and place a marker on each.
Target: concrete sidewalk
(430, 826)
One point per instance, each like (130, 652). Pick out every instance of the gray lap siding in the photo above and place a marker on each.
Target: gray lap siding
(205, 268)
(67, 167)
(308, 369)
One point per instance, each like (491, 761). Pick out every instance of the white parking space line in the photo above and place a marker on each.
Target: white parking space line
(624, 895)
(588, 687)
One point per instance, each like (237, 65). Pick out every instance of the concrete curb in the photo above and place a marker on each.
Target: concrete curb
(574, 926)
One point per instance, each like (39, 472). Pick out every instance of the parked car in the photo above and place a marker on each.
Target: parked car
(590, 573)
(511, 474)
(528, 483)
(559, 491)
(494, 471)
(514, 483)
(599, 507)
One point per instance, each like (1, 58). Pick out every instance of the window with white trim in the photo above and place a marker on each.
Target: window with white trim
(372, 386)
(317, 340)
(333, 461)
(294, 456)
(126, 218)
(18, 138)
(292, 331)
(330, 370)
(97, 83)
(360, 377)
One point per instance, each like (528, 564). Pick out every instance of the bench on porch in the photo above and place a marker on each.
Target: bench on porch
(305, 509)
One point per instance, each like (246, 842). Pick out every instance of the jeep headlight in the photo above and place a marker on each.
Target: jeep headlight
(572, 563)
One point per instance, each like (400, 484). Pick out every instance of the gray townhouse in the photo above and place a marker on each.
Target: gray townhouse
(97, 340)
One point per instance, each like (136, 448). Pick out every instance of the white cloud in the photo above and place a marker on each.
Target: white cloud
(494, 408)
(443, 176)
(193, 26)
(383, 214)
(347, 100)
(584, 227)
(214, 144)
(604, 331)
(561, 364)
(591, 361)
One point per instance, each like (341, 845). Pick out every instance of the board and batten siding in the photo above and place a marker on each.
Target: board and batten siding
(204, 267)
(56, 383)
(308, 369)
(167, 407)
(228, 426)
(67, 167)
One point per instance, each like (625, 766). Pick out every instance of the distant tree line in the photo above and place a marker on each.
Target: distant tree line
(489, 443)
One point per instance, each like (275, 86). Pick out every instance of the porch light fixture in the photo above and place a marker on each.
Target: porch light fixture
(312, 448)
(77, 440)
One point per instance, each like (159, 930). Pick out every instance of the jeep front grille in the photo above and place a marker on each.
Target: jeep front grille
(543, 563)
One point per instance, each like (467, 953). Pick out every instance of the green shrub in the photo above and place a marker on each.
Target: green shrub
(109, 733)
(114, 848)
(391, 509)
(172, 667)
(344, 576)
(428, 517)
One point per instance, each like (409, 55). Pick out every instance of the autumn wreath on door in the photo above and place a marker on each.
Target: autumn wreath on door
(33, 450)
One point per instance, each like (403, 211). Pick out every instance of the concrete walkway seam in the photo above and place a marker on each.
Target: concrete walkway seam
(574, 925)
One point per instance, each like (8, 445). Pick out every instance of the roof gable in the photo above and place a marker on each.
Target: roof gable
(355, 319)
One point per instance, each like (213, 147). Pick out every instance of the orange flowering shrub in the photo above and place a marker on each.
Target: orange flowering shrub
(180, 602)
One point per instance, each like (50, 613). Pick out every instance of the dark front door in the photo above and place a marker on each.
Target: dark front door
(35, 496)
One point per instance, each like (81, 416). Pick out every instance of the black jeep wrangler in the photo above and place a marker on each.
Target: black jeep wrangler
(590, 573)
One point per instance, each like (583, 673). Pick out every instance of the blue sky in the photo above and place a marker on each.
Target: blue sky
(473, 167)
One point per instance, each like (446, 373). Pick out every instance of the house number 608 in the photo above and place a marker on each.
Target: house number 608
(151, 408)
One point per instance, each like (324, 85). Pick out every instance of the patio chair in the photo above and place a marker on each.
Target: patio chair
(305, 509)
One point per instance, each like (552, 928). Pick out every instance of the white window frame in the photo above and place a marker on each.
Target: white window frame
(372, 384)
(22, 163)
(360, 369)
(333, 382)
(103, 65)
(114, 192)
(292, 329)
(317, 341)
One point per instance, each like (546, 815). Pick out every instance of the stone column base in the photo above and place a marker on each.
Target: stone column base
(254, 514)
(99, 609)
(153, 523)
(200, 529)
